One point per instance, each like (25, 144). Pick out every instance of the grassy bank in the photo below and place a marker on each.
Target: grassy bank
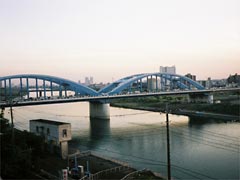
(229, 105)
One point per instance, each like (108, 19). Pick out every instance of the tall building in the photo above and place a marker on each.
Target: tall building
(91, 80)
(168, 69)
(88, 80)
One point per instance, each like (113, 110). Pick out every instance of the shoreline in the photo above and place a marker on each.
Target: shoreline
(184, 112)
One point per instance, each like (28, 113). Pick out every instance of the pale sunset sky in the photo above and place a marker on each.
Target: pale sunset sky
(110, 39)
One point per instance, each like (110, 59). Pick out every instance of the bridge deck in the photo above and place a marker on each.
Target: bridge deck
(107, 98)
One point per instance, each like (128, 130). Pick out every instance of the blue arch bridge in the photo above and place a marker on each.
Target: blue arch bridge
(34, 89)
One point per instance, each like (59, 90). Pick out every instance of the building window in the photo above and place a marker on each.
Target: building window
(37, 129)
(48, 131)
(64, 134)
(42, 129)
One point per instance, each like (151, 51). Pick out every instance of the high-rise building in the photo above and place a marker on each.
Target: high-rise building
(91, 80)
(168, 69)
(88, 80)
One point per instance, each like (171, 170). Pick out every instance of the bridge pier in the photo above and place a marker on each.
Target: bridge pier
(99, 110)
(204, 98)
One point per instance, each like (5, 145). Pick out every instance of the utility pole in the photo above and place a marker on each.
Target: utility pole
(11, 112)
(168, 145)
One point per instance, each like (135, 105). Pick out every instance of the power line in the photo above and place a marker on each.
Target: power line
(152, 161)
(224, 136)
(213, 139)
(205, 143)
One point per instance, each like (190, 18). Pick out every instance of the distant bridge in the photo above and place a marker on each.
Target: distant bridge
(139, 85)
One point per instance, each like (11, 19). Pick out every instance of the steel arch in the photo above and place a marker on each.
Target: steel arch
(121, 84)
(79, 88)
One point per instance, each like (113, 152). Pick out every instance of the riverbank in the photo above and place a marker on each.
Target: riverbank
(176, 109)
(101, 167)
(26, 156)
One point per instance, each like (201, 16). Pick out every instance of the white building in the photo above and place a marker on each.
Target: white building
(55, 133)
(168, 69)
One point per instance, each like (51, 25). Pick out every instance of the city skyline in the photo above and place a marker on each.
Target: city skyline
(113, 39)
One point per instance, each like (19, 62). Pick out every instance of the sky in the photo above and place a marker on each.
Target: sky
(111, 39)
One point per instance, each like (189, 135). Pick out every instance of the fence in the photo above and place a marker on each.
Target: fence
(108, 171)
(132, 174)
(124, 166)
(110, 159)
(88, 153)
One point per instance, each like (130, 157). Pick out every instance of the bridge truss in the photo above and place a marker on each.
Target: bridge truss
(48, 83)
(41, 84)
(151, 82)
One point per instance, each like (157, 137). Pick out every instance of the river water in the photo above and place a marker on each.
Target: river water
(201, 148)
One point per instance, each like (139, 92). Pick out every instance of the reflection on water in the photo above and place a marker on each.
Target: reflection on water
(99, 128)
(200, 147)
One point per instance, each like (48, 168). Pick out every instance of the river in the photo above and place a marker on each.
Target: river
(201, 148)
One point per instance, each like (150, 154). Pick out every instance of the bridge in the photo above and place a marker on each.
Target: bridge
(45, 88)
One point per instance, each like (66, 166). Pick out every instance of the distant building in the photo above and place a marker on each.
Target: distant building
(88, 81)
(209, 83)
(233, 80)
(91, 80)
(190, 76)
(57, 134)
(152, 84)
(219, 83)
(168, 69)
(202, 82)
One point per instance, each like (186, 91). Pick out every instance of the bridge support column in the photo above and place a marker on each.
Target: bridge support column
(99, 110)
(200, 98)
(210, 98)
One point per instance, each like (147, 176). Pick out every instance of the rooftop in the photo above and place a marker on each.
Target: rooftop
(49, 121)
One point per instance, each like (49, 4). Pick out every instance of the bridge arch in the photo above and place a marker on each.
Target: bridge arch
(66, 84)
(162, 81)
